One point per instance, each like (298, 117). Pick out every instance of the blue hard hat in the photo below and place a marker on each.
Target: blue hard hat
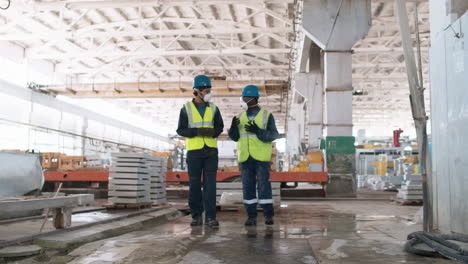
(251, 91)
(201, 81)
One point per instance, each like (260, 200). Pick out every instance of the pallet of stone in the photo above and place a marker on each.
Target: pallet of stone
(131, 162)
(157, 190)
(157, 183)
(129, 180)
(159, 201)
(155, 196)
(128, 193)
(126, 175)
(157, 170)
(140, 170)
(155, 162)
(127, 155)
(129, 200)
(125, 181)
(124, 187)
(157, 179)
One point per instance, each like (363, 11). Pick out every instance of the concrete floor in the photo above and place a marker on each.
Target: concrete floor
(19, 229)
(306, 232)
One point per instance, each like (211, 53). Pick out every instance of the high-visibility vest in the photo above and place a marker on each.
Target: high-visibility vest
(248, 143)
(195, 120)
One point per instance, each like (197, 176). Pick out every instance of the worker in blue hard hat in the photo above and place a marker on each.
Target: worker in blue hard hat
(200, 122)
(254, 130)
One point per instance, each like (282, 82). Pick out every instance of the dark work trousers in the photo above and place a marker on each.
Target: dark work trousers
(257, 174)
(202, 162)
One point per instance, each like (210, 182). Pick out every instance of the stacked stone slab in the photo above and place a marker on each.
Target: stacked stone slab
(158, 168)
(129, 179)
(412, 189)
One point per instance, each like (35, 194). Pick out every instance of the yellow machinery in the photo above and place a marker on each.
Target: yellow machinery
(313, 163)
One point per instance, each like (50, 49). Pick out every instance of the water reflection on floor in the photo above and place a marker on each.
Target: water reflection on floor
(306, 232)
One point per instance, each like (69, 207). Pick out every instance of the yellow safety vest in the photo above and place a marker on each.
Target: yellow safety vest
(196, 121)
(248, 143)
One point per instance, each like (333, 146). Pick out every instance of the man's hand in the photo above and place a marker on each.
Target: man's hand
(252, 127)
(206, 132)
(235, 122)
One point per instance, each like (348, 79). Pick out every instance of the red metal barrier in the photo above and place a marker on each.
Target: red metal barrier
(85, 176)
(317, 177)
(181, 176)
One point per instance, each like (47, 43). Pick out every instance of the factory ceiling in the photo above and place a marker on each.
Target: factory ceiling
(142, 55)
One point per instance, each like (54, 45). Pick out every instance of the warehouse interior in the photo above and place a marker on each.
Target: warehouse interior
(368, 97)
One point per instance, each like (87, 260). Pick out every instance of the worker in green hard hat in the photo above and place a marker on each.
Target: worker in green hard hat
(254, 130)
(200, 122)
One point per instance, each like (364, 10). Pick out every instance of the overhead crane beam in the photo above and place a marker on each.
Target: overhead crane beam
(159, 89)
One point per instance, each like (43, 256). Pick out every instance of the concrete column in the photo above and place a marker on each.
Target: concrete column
(310, 86)
(296, 120)
(335, 26)
(84, 130)
(339, 124)
(338, 94)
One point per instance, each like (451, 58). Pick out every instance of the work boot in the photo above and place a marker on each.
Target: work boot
(197, 220)
(212, 222)
(251, 221)
(269, 220)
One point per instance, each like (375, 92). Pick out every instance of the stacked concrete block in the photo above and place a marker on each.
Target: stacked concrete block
(129, 180)
(236, 187)
(412, 189)
(158, 168)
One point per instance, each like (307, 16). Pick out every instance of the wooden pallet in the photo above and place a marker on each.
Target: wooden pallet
(137, 206)
(408, 202)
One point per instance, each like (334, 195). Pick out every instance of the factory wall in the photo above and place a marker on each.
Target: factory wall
(449, 108)
(31, 120)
